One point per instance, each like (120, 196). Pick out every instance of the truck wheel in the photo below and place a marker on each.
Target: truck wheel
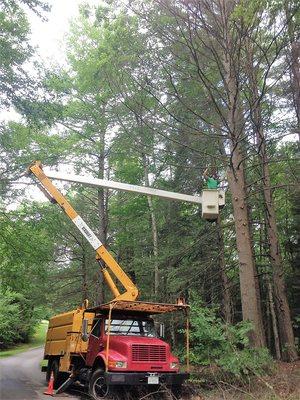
(59, 377)
(98, 389)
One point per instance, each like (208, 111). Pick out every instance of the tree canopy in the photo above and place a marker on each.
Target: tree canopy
(154, 93)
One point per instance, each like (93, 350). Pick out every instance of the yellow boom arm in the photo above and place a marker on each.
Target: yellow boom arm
(54, 195)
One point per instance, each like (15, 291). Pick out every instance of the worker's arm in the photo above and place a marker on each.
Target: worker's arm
(54, 195)
(205, 174)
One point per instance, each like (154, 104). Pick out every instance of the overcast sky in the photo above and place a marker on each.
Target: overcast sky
(49, 35)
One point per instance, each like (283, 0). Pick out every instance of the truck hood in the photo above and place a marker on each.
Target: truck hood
(128, 340)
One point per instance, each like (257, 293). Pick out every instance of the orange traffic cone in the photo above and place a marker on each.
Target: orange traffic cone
(49, 390)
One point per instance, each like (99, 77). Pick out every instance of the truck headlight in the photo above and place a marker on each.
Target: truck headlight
(121, 364)
(117, 364)
(174, 365)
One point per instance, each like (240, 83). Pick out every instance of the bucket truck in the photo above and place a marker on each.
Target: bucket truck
(115, 343)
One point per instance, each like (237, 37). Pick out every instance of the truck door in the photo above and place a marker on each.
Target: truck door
(95, 341)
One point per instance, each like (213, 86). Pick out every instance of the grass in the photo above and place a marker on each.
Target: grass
(38, 339)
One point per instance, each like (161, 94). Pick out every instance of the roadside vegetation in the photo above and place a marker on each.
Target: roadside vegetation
(36, 340)
(211, 384)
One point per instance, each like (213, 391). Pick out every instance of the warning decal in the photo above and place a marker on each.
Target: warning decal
(87, 232)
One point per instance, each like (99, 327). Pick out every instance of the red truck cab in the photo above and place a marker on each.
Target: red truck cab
(136, 355)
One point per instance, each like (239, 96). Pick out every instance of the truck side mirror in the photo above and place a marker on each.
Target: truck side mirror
(161, 330)
(85, 335)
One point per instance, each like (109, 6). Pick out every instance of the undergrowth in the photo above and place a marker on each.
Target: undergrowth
(215, 343)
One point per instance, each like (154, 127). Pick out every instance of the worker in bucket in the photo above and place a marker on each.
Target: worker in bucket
(211, 178)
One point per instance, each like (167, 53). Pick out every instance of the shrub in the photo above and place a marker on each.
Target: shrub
(9, 319)
(16, 318)
(227, 346)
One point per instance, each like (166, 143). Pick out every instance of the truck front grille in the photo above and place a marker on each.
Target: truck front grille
(149, 353)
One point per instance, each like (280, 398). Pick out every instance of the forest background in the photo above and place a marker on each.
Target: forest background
(153, 93)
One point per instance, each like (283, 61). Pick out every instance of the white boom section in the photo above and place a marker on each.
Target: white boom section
(90, 181)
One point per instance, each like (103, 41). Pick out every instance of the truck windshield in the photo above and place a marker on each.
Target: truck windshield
(131, 327)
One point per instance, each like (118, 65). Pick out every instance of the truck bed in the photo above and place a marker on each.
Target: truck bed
(64, 335)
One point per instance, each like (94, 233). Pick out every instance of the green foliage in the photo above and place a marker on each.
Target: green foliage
(139, 97)
(36, 340)
(9, 319)
(215, 343)
(16, 318)
(15, 49)
(25, 249)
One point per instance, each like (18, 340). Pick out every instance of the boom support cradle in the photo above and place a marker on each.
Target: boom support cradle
(54, 195)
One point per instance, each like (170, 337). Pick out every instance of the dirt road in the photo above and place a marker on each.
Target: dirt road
(21, 378)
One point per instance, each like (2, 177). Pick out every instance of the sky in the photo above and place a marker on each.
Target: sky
(49, 35)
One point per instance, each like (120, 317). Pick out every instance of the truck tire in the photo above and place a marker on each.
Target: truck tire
(97, 386)
(59, 377)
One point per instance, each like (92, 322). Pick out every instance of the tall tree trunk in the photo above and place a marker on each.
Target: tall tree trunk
(140, 123)
(283, 311)
(273, 317)
(102, 206)
(226, 294)
(154, 230)
(294, 62)
(247, 271)
(251, 306)
(268, 326)
(102, 212)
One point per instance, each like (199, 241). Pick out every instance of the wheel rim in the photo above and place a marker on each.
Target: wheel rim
(100, 388)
